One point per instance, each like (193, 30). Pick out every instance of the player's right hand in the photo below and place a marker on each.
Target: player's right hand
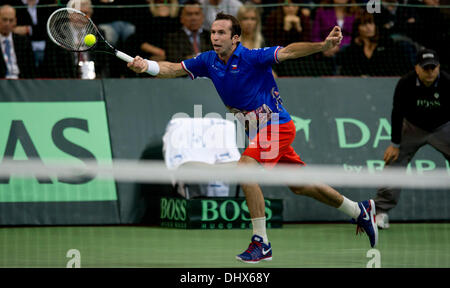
(138, 65)
(391, 154)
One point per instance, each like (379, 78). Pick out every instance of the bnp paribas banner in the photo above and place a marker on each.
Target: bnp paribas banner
(47, 124)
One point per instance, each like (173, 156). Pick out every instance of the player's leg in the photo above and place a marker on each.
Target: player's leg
(363, 212)
(259, 248)
(264, 149)
(322, 193)
(255, 200)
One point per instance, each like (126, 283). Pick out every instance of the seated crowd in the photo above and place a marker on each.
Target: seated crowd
(374, 44)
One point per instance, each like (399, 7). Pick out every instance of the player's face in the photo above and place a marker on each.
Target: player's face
(7, 20)
(427, 74)
(221, 38)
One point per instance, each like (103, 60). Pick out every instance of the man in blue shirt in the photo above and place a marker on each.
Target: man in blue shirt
(243, 78)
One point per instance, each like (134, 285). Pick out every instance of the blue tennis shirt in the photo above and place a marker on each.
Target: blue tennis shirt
(245, 82)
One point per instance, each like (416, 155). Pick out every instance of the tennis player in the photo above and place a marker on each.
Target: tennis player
(243, 78)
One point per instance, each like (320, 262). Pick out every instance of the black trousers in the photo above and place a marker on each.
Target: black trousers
(413, 138)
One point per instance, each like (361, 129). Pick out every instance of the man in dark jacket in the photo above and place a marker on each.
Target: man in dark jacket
(420, 116)
(17, 60)
(191, 38)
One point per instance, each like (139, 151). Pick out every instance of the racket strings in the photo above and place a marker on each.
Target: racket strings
(68, 29)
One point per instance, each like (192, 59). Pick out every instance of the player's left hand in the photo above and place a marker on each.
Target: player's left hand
(333, 39)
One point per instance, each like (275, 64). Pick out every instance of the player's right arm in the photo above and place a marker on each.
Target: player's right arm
(164, 69)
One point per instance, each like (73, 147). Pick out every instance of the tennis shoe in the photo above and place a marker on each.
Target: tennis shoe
(366, 221)
(257, 251)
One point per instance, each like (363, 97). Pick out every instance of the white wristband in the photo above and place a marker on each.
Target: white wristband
(153, 67)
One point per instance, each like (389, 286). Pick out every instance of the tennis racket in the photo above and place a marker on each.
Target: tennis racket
(68, 27)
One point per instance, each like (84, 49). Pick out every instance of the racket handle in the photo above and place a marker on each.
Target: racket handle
(124, 57)
(154, 70)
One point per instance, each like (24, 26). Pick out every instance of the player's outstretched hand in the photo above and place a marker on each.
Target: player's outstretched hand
(138, 65)
(333, 39)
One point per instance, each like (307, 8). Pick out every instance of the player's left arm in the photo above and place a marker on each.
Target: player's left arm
(162, 69)
(301, 49)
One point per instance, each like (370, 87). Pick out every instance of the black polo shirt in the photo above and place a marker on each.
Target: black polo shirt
(425, 107)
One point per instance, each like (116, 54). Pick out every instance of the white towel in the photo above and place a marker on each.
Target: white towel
(206, 140)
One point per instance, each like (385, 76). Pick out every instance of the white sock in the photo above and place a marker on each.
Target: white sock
(259, 228)
(350, 208)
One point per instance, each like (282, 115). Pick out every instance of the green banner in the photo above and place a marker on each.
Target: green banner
(55, 131)
(215, 213)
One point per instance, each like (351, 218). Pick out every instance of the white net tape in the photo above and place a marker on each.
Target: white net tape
(157, 172)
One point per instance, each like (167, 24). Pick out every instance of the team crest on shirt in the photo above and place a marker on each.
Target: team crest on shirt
(234, 68)
(436, 95)
(276, 97)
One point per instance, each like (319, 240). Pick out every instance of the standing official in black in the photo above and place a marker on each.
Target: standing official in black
(420, 116)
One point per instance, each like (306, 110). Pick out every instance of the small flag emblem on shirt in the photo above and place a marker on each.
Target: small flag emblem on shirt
(234, 67)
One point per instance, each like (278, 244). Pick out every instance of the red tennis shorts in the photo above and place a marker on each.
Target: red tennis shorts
(272, 145)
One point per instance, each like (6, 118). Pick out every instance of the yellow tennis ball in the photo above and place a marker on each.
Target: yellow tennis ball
(90, 40)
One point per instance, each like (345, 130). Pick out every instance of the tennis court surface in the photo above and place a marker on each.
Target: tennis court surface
(404, 245)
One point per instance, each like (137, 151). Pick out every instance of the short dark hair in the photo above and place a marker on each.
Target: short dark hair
(362, 19)
(190, 3)
(235, 25)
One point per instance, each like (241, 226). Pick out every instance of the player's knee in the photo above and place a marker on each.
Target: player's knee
(246, 160)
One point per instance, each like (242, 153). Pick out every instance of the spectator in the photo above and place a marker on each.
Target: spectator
(212, 7)
(162, 8)
(286, 25)
(328, 17)
(398, 23)
(250, 19)
(60, 63)
(191, 38)
(433, 30)
(395, 21)
(342, 15)
(17, 59)
(370, 55)
(31, 21)
(158, 20)
(116, 23)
